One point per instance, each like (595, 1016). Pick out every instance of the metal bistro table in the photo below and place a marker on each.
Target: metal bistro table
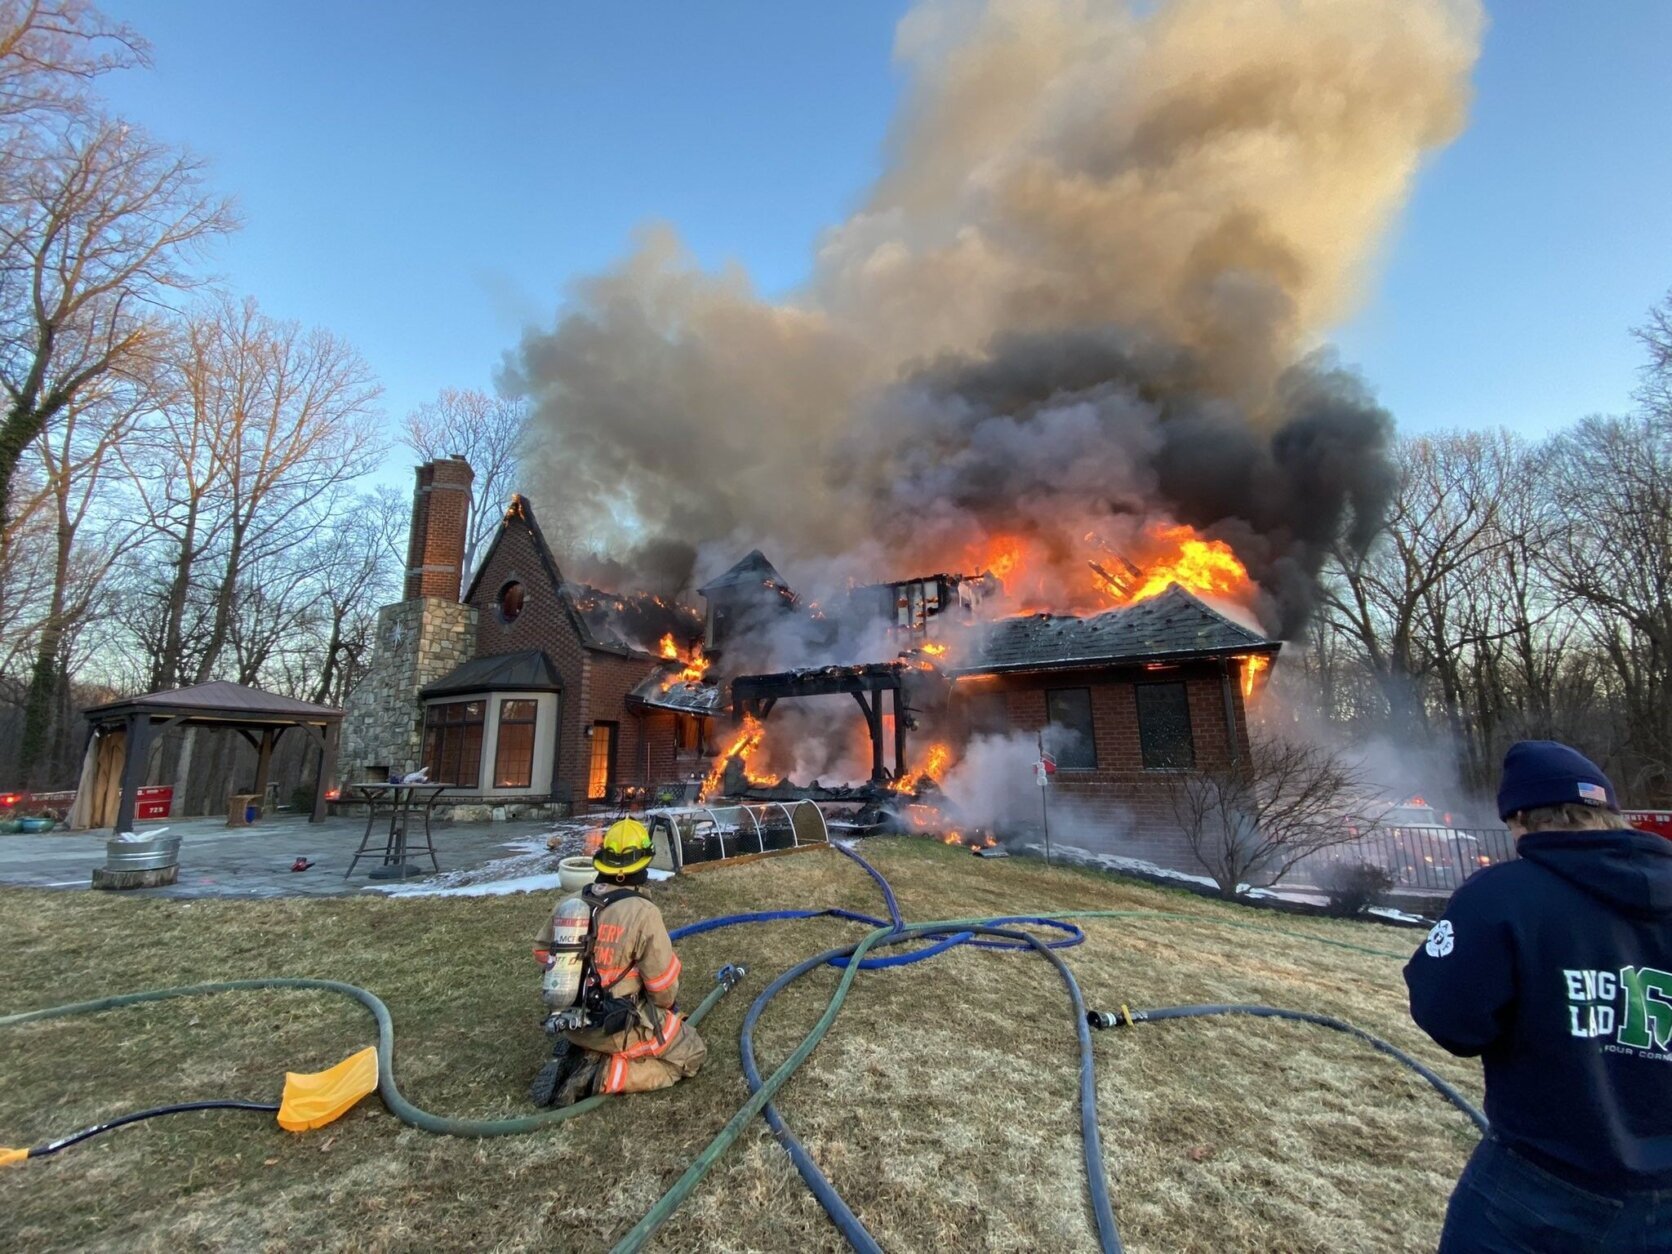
(402, 803)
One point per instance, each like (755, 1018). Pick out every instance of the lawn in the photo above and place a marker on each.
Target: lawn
(942, 1105)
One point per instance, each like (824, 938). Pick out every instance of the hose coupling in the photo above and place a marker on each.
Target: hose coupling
(731, 975)
(1123, 1018)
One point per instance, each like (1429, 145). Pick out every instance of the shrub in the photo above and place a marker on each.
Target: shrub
(1353, 887)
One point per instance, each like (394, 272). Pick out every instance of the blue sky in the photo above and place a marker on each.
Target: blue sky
(426, 179)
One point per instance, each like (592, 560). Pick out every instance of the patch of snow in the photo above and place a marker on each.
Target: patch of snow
(436, 887)
(1400, 916)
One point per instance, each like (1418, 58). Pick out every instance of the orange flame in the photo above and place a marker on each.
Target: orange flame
(1178, 555)
(748, 740)
(933, 649)
(696, 665)
(940, 757)
(1253, 665)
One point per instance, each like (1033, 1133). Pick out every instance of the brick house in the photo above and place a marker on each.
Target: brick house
(525, 693)
(533, 691)
(1123, 700)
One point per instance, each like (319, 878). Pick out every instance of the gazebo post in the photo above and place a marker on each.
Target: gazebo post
(263, 761)
(327, 770)
(135, 761)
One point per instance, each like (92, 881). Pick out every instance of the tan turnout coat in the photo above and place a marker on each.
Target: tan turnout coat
(636, 960)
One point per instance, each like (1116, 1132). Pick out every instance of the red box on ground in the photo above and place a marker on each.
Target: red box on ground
(153, 802)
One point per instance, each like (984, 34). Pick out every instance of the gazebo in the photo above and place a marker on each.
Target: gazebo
(122, 732)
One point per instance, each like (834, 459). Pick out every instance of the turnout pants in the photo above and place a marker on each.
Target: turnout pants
(636, 1061)
(1505, 1204)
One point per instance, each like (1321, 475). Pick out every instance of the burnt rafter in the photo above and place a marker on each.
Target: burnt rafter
(755, 695)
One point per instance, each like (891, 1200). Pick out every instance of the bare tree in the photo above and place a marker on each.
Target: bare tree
(50, 50)
(1251, 821)
(76, 457)
(484, 430)
(92, 241)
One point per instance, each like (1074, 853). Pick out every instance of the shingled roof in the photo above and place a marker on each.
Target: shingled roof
(753, 569)
(1175, 624)
(529, 671)
(219, 699)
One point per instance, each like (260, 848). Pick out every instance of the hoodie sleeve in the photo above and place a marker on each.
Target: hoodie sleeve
(1462, 977)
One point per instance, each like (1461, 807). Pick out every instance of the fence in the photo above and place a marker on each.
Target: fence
(1425, 859)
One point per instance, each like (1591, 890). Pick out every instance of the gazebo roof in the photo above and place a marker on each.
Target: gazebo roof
(218, 702)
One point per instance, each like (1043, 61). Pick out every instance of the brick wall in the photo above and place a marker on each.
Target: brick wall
(440, 516)
(595, 684)
(1119, 806)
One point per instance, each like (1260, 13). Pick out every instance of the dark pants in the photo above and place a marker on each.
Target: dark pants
(1504, 1204)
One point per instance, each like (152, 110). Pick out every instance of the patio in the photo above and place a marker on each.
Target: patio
(254, 862)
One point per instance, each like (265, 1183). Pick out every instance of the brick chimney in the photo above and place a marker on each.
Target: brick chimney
(440, 514)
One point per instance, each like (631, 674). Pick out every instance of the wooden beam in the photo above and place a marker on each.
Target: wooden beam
(327, 770)
(136, 747)
(899, 736)
(263, 763)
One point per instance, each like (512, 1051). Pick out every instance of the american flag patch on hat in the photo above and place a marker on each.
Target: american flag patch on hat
(1593, 794)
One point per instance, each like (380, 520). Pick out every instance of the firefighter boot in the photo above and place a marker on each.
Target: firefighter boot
(582, 1078)
(564, 1060)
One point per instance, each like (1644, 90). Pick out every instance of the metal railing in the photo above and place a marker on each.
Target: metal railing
(1426, 859)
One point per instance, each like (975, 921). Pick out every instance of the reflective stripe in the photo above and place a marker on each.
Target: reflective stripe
(616, 1076)
(651, 1047)
(665, 979)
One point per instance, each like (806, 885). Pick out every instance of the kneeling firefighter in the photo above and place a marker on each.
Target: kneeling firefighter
(612, 983)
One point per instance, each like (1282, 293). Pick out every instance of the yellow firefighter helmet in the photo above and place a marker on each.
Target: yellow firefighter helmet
(627, 848)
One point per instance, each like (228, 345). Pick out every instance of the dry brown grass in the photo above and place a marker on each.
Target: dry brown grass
(942, 1104)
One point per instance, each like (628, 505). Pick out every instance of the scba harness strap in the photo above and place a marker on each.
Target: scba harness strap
(604, 1013)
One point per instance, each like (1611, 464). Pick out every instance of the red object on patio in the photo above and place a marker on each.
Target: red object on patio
(153, 802)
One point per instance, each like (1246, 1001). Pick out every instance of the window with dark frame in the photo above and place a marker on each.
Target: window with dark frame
(1070, 738)
(453, 742)
(600, 774)
(513, 756)
(1164, 727)
(510, 602)
(687, 733)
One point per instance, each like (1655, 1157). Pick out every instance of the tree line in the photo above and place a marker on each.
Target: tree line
(183, 489)
(1519, 589)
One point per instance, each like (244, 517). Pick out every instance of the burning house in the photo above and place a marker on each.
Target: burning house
(537, 691)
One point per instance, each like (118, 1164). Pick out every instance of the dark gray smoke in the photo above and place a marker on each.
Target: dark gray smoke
(1082, 303)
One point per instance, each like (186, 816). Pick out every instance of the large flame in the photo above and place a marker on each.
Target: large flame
(696, 665)
(742, 748)
(934, 766)
(1175, 554)
(1143, 567)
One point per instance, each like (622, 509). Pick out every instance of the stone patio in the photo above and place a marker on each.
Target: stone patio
(254, 862)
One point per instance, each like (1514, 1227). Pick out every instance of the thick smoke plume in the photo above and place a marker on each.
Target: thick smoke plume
(1084, 297)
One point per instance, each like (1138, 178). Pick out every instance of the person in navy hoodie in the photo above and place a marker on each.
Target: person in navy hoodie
(1556, 970)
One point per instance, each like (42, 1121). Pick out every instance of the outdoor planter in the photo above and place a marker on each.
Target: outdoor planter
(35, 825)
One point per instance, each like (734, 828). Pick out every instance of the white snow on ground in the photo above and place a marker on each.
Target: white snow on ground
(1151, 870)
(532, 868)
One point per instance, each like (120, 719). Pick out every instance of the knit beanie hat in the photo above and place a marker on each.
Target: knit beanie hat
(1545, 773)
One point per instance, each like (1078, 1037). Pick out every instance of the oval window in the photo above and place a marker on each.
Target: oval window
(510, 602)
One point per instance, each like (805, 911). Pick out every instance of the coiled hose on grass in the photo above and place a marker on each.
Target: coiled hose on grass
(387, 1089)
(944, 936)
